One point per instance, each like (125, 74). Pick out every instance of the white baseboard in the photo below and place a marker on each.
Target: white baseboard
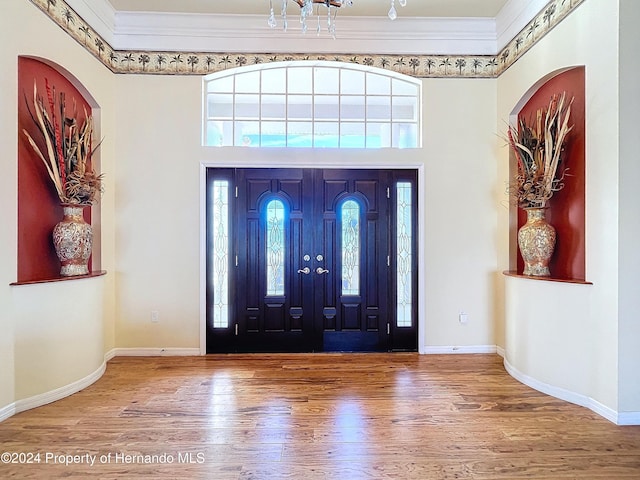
(628, 418)
(154, 352)
(7, 411)
(67, 390)
(58, 393)
(438, 350)
(625, 418)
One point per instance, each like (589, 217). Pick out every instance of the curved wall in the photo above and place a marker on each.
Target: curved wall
(53, 336)
(562, 338)
(543, 344)
(59, 339)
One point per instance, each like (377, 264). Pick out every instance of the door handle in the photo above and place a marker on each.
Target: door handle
(321, 270)
(305, 270)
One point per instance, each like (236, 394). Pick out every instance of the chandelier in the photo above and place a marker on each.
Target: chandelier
(332, 6)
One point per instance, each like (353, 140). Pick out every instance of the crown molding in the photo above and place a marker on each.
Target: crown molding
(183, 32)
(515, 16)
(99, 14)
(357, 46)
(242, 33)
(158, 31)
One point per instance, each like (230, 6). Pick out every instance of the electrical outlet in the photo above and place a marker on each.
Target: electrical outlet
(463, 318)
(155, 316)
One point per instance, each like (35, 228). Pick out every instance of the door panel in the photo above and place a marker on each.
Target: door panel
(310, 310)
(359, 321)
(269, 321)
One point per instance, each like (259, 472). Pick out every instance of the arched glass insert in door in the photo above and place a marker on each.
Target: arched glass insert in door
(275, 254)
(350, 232)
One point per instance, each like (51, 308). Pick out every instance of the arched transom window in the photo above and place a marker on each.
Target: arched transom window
(311, 104)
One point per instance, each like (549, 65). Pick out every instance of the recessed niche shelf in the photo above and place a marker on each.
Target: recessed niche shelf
(567, 207)
(97, 273)
(39, 208)
(511, 273)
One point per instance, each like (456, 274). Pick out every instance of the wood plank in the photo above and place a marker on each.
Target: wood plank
(318, 416)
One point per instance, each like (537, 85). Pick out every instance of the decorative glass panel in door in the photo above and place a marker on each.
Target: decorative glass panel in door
(404, 257)
(220, 253)
(350, 213)
(275, 247)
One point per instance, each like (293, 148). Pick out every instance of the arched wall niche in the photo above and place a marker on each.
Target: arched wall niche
(567, 207)
(38, 204)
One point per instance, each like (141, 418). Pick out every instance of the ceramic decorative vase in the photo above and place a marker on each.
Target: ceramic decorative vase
(73, 240)
(537, 240)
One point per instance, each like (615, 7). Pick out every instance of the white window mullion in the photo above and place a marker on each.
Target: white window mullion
(339, 96)
(286, 110)
(233, 114)
(260, 116)
(313, 107)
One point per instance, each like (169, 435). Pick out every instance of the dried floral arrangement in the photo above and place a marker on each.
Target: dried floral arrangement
(538, 149)
(68, 148)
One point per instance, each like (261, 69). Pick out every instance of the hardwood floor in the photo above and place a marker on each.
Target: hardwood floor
(315, 416)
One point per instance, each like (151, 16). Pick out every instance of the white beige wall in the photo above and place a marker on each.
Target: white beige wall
(158, 198)
(459, 211)
(157, 207)
(52, 334)
(629, 218)
(565, 335)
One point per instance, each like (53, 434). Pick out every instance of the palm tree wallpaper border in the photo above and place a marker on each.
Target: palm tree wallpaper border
(202, 63)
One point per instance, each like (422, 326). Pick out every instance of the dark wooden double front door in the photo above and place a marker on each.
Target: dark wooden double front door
(311, 264)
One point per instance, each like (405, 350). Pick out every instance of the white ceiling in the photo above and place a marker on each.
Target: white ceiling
(414, 8)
